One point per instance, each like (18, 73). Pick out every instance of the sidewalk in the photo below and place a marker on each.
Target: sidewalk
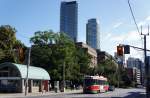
(14, 95)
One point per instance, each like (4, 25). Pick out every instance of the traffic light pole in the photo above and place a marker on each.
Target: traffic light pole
(142, 49)
(146, 69)
(146, 66)
(139, 48)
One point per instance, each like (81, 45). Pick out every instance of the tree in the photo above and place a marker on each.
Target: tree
(53, 50)
(2, 54)
(84, 60)
(114, 73)
(40, 56)
(63, 55)
(125, 81)
(108, 69)
(43, 37)
(8, 44)
(7, 38)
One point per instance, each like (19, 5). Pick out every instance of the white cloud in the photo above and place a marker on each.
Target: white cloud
(108, 36)
(131, 36)
(118, 38)
(141, 23)
(144, 22)
(117, 25)
(148, 18)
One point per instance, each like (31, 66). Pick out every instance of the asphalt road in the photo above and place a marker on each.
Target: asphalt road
(118, 93)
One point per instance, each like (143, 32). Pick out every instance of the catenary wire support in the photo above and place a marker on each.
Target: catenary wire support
(146, 65)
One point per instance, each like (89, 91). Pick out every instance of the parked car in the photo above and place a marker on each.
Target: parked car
(111, 88)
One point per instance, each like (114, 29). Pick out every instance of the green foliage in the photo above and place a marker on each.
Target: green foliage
(18, 44)
(8, 43)
(8, 38)
(43, 38)
(124, 79)
(40, 56)
(53, 51)
(84, 60)
(115, 74)
(2, 54)
(108, 69)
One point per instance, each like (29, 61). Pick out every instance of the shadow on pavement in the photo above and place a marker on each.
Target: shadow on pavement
(134, 95)
(130, 95)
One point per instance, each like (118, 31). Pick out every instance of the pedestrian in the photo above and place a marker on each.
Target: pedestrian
(74, 87)
(42, 88)
(50, 86)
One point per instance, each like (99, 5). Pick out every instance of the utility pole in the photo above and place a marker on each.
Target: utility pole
(26, 83)
(64, 84)
(146, 65)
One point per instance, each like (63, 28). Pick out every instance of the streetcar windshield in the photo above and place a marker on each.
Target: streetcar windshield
(90, 81)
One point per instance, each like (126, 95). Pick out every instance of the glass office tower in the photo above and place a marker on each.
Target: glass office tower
(93, 33)
(69, 19)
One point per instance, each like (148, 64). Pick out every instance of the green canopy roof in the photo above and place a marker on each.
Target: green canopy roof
(33, 73)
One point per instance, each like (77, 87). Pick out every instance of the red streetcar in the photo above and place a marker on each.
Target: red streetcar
(95, 84)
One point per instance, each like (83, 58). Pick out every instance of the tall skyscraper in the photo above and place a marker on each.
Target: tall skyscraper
(69, 19)
(93, 33)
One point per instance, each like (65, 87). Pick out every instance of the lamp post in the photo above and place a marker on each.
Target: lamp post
(64, 84)
(26, 83)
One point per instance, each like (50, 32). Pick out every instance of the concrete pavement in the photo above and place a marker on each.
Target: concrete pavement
(14, 95)
(118, 93)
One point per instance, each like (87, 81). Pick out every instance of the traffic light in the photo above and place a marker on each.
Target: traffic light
(126, 49)
(120, 50)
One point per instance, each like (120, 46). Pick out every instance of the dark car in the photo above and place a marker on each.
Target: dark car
(111, 88)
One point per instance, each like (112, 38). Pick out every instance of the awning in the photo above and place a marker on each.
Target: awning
(36, 73)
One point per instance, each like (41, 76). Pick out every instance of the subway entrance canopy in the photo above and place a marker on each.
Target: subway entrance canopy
(13, 76)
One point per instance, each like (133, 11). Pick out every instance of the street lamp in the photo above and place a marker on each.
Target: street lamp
(26, 83)
(64, 84)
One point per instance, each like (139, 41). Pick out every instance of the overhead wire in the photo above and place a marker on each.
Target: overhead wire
(138, 30)
(135, 21)
(133, 17)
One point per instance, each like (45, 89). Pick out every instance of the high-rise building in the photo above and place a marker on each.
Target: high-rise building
(69, 19)
(93, 33)
(137, 65)
(134, 62)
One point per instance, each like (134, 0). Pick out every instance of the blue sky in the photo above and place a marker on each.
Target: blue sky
(116, 23)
